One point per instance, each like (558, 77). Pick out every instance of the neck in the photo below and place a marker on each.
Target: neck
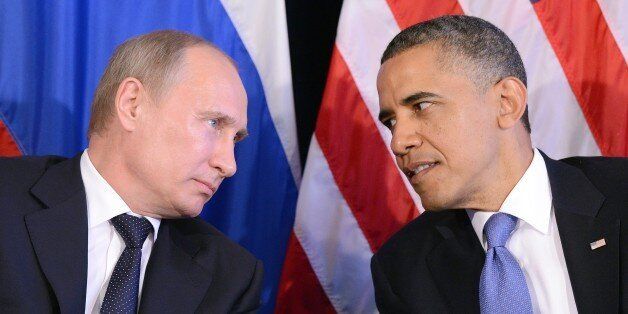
(515, 159)
(105, 154)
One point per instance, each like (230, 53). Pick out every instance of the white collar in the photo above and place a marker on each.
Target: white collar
(103, 202)
(530, 200)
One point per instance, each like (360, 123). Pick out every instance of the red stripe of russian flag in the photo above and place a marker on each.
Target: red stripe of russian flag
(8, 148)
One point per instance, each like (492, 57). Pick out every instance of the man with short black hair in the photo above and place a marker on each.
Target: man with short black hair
(506, 229)
(112, 230)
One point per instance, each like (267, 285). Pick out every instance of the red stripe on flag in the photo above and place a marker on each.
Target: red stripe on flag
(364, 172)
(8, 148)
(594, 66)
(299, 288)
(408, 13)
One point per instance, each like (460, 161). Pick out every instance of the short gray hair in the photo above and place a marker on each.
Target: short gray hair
(488, 53)
(152, 58)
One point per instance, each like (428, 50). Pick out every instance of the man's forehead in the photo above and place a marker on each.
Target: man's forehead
(210, 71)
(423, 68)
(205, 52)
(422, 56)
(206, 61)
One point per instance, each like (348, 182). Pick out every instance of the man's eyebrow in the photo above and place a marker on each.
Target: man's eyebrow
(418, 96)
(409, 100)
(225, 118)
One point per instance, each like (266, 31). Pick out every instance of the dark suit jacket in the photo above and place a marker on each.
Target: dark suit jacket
(43, 250)
(433, 264)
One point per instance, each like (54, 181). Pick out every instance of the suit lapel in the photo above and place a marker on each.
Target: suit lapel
(59, 233)
(174, 281)
(594, 274)
(456, 263)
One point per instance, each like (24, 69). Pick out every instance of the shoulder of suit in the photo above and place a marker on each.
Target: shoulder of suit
(29, 163)
(418, 235)
(207, 236)
(608, 174)
(20, 173)
(604, 164)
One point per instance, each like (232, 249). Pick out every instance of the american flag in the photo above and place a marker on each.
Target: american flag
(353, 198)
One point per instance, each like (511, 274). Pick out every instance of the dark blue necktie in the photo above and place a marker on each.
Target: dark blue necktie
(124, 285)
(503, 286)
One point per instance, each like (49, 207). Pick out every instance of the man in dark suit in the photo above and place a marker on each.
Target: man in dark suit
(506, 229)
(112, 229)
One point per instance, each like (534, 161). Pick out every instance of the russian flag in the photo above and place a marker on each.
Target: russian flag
(52, 55)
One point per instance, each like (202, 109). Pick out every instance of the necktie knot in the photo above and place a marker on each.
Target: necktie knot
(133, 230)
(498, 228)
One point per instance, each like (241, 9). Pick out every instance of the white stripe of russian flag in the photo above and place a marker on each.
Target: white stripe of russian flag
(257, 31)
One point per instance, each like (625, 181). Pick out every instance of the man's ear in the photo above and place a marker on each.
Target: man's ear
(128, 102)
(512, 101)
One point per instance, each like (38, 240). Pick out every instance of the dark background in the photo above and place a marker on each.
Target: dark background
(311, 32)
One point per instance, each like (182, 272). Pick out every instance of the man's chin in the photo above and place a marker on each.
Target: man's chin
(432, 204)
(192, 206)
(431, 208)
(191, 211)
(439, 205)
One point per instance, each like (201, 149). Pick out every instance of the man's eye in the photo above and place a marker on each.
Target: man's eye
(213, 122)
(390, 123)
(423, 105)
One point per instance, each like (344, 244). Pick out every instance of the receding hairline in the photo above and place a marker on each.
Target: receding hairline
(210, 47)
(213, 48)
(175, 72)
(155, 59)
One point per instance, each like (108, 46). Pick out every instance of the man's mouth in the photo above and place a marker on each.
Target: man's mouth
(415, 172)
(206, 187)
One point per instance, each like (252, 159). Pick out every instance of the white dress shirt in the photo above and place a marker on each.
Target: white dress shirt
(104, 243)
(535, 242)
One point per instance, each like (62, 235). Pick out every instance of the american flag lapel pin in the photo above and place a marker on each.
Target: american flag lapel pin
(598, 244)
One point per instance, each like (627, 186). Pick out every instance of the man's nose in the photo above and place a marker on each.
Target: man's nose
(405, 137)
(224, 158)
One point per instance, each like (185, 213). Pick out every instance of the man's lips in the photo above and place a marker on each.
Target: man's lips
(416, 170)
(206, 187)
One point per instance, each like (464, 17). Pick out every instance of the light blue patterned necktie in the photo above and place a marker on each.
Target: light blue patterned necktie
(503, 286)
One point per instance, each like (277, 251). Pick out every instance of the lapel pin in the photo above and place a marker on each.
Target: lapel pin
(598, 244)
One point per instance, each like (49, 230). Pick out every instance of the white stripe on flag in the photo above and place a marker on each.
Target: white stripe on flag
(332, 240)
(262, 24)
(616, 15)
(558, 125)
(364, 30)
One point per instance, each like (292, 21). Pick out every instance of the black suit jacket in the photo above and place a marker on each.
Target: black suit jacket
(43, 250)
(433, 264)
